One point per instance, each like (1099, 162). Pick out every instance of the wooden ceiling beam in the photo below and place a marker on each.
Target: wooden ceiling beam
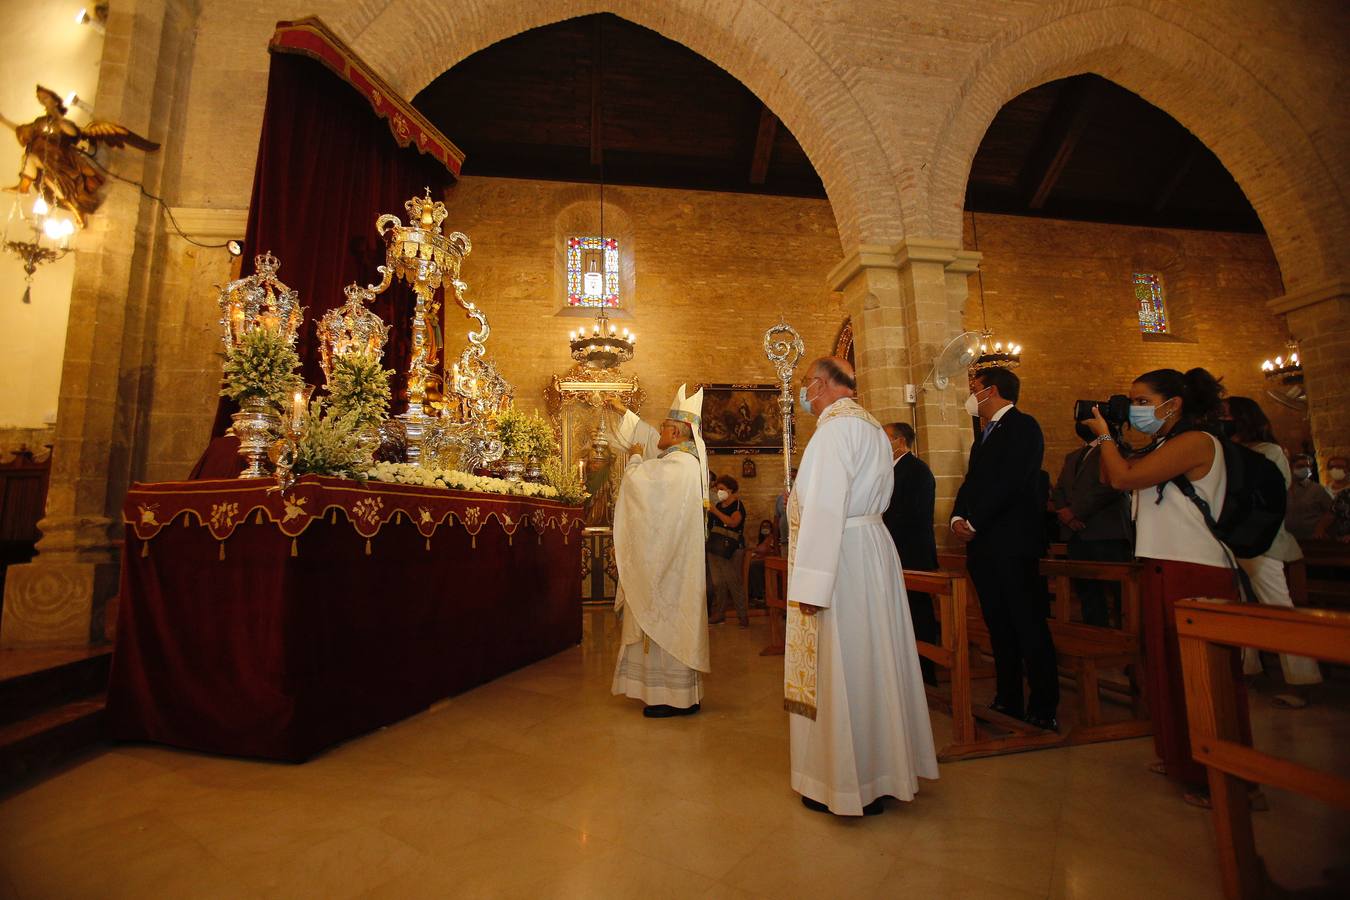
(764, 138)
(1177, 177)
(1065, 125)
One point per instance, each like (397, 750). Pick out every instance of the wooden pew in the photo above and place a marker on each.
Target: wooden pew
(1327, 580)
(775, 601)
(971, 736)
(1209, 634)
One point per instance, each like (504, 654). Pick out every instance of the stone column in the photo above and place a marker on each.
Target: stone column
(905, 302)
(1319, 320)
(60, 597)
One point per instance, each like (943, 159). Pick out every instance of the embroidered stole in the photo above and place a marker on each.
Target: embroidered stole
(803, 632)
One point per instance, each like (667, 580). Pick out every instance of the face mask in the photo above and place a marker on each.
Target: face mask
(805, 400)
(1084, 432)
(722, 496)
(1145, 419)
(764, 532)
(1336, 474)
(973, 403)
(1302, 472)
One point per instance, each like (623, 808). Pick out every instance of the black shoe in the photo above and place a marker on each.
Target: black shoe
(1045, 723)
(814, 805)
(874, 808)
(999, 706)
(662, 711)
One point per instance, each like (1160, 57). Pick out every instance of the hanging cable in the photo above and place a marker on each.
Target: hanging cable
(168, 213)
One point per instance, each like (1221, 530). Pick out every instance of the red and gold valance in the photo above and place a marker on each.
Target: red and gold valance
(221, 506)
(311, 37)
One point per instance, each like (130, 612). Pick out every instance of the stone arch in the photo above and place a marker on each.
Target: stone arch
(1194, 70)
(411, 42)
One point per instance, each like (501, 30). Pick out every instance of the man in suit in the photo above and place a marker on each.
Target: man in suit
(999, 515)
(909, 519)
(1097, 519)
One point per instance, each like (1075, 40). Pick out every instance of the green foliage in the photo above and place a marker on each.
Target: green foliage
(359, 387)
(525, 435)
(263, 365)
(565, 480)
(329, 445)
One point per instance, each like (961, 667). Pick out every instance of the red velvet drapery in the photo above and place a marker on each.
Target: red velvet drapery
(327, 168)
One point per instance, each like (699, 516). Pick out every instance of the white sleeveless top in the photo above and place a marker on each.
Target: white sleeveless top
(1174, 529)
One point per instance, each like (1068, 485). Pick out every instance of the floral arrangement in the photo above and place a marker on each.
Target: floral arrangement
(403, 473)
(525, 435)
(262, 365)
(359, 387)
(564, 479)
(328, 444)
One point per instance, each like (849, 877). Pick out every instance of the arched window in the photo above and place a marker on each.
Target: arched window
(1148, 293)
(592, 271)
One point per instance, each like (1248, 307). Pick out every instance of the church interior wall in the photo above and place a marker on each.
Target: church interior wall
(40, 43)
(1064, 291)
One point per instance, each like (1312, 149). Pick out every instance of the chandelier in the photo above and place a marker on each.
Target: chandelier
(993, 354)
(1284, 370)
(36, 233)
(997, 355)
(604, 346)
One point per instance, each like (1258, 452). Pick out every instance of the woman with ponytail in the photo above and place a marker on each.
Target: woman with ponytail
(1181, 557)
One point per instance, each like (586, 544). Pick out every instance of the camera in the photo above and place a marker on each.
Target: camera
(1116, 410)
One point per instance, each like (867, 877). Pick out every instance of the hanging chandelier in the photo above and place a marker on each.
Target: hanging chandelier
(36, 233)
(604, 346)
(1285, 370)
(993, 354)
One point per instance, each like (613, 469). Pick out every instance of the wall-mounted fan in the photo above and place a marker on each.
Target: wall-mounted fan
(955, 359)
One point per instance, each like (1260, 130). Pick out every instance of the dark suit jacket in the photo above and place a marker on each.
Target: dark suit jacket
(909, 518)
(1000, 496)
(1104, 510)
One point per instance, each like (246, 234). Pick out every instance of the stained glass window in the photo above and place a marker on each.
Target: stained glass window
(1148, 292)
(592, 271)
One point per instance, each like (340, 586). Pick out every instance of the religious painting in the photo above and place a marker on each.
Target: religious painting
(742, 418)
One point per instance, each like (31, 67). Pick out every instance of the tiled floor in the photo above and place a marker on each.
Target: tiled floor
(543, 785)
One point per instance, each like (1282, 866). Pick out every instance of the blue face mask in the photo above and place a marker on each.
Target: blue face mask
(1145, 419)
(804, 399)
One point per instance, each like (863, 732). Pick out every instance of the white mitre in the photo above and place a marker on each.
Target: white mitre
(690, 409)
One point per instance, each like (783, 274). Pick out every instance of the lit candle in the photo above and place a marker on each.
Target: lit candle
(297, 410)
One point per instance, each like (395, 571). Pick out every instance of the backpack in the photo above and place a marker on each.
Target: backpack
(1253, 501)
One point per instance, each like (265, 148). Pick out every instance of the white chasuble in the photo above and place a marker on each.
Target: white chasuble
(659, 549)
(854, 662)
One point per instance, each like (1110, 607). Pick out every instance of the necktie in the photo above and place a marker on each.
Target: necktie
(988, 428)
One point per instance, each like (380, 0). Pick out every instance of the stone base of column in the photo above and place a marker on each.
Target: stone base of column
(56, 604)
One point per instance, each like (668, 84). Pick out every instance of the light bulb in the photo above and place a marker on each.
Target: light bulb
(82, 16)
(67, 227)
(1279, 361)
(71, 98)
(1267, 366)
(40, 207)
(52, 229)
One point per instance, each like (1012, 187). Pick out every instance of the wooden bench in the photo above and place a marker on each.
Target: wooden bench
(1085, 650)
(971, 734)
(1327, 567)
(775, 602)
(1209, 634)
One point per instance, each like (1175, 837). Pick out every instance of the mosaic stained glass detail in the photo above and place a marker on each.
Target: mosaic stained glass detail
(592, 271)
(1148, 291)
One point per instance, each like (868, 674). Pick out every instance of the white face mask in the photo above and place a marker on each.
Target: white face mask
(973, 402)
(722, 496)
(1302, 472)
(1337, 474)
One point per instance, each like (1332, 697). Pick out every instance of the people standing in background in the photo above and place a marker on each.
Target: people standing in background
(1252, 429)
(1309, 501)
(1097, 520)
(726, 551)
(1335, 524)
(767, 546)
(999, 515)
(909, 519)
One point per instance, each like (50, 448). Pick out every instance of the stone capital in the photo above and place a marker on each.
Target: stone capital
(206, 222)
(899, 256)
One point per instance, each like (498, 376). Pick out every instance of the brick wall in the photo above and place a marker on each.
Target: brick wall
(1063, 290)
(710, 272)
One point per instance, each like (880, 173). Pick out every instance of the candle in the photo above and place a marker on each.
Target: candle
(297, 410)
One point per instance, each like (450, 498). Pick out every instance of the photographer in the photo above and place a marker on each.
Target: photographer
(1181, 558)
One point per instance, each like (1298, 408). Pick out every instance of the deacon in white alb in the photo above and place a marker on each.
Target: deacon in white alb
(658, 545)
(859, 725)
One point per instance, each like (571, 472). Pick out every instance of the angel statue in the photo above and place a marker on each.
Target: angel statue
(58, 155)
